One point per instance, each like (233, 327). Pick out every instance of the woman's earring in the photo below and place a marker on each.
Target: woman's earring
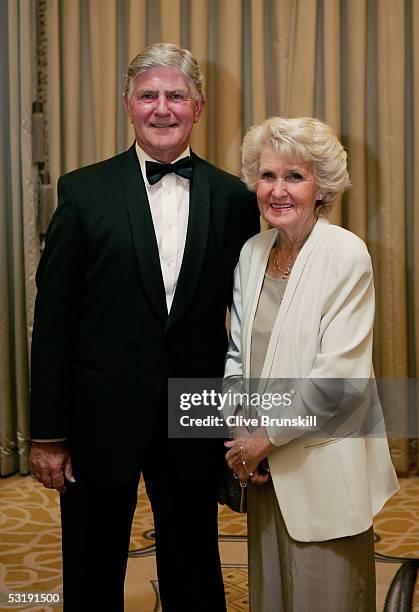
(320, 196)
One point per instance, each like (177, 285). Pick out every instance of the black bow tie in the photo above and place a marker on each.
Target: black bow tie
(156, 171)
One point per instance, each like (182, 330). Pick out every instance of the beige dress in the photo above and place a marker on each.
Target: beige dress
(286, 575)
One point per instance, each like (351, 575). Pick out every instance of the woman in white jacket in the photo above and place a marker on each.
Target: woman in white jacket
(304, 310)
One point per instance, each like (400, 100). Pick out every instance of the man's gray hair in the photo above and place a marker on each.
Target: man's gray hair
(165, 54)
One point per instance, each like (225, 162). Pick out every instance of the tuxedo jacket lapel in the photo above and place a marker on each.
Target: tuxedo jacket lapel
(196, 239)
(143, 234)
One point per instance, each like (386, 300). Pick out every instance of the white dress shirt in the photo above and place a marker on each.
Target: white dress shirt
(169, 206)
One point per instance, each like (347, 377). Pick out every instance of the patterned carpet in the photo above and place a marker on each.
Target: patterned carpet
(30, 550)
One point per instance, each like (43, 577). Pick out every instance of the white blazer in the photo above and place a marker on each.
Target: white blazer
(330, 487)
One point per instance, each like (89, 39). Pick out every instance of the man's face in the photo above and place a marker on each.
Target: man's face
(163, 111)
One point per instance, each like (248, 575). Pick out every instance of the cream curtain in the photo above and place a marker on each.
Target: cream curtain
(352, 63)
(18, 245)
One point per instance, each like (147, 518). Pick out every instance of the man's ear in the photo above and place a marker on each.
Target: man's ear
(199, 109)
(127, 107)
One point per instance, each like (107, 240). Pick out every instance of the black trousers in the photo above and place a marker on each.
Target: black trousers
(96, 525)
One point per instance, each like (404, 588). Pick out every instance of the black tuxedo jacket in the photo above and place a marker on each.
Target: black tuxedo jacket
(103, 343)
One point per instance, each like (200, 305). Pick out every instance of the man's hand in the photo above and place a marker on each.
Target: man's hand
(50, 464)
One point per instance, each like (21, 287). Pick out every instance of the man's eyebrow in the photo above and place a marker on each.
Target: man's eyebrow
(166, 91)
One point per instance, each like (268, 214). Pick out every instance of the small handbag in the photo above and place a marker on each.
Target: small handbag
(232, 492)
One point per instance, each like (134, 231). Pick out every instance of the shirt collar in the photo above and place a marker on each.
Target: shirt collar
(143, 157)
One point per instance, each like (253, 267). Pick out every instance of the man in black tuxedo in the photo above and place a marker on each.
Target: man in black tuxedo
(133, 287)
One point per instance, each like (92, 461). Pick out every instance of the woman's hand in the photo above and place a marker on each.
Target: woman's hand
(245, 455)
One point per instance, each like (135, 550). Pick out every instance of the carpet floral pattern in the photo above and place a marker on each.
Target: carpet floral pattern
(30, 548)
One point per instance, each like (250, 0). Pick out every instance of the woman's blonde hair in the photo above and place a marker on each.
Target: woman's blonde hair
(300, 139)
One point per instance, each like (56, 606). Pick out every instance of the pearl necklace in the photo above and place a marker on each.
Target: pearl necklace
(285, 271)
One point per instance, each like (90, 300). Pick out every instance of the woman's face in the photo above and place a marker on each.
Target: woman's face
(286, 193)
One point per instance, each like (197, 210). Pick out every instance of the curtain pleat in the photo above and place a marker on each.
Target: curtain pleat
(54, 119)
(136, 28)
(76, 87)
(391, 212)
(331, 82)
(198, 37)
(301, 64)
(103, 77)
(331, 93)
(18, 235)
(26, 249)
(171, 21)
(392, 163)
(414, 131)
(226, 83)
(132, 38)
(354, 39)
(257, 63)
